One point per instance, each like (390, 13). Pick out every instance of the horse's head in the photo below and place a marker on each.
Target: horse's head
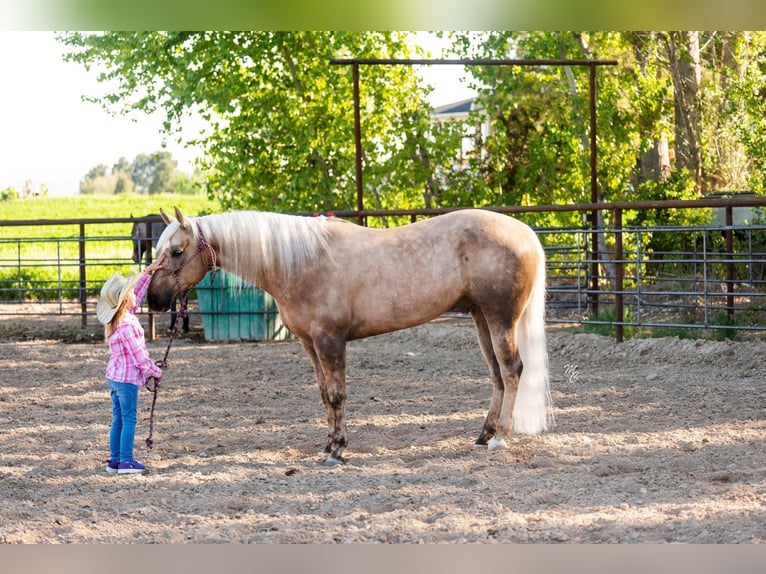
(187, 260)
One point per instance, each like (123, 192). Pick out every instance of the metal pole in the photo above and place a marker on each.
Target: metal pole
(729, 262)
(356, 62)
(593, 195)
(619, 273)
(83, 279)
(358, 146)
(152, 326)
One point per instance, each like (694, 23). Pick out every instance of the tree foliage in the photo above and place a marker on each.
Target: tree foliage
(147, 174)
(280, 116)
(681, 114)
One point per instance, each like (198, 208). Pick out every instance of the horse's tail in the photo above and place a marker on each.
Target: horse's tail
(532, 410)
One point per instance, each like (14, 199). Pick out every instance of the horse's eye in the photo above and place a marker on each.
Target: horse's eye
(177, 252)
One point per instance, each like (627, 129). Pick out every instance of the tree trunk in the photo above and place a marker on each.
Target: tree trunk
(654, 164)
(684, 60)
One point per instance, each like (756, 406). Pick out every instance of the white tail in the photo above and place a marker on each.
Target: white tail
(532, 411)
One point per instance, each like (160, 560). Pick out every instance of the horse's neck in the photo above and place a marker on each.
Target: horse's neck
(227, 254)
(264, 259)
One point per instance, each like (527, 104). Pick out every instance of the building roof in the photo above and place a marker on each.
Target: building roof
(462, 107)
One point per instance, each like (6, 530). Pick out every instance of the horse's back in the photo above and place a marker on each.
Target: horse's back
(451, 224)
(386, 279)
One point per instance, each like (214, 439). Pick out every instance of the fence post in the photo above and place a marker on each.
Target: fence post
(358, 145)
(593, 192)
(82, 291)
(729, 263)
(151, 326)
(619, 273)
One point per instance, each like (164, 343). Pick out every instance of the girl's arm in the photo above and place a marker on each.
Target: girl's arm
(143, 284)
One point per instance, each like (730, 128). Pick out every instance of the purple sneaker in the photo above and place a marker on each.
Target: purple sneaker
(132, 467)
(111, 466)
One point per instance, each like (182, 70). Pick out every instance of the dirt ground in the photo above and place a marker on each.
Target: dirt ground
(656, 440)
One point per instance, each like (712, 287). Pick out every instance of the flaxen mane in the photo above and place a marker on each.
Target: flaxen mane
(259, 245)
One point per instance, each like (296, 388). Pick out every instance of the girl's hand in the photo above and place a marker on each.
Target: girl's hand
(155, 265)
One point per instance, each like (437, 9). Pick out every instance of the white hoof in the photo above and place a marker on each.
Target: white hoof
(332, 461)
(497, 443)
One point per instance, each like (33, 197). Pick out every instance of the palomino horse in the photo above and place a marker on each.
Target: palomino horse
(335, 281)
(145, 235)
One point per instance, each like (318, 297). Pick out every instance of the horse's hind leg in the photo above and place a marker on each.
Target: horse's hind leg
(485, 342)
(510, 365)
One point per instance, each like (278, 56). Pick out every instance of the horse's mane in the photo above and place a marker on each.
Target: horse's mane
(260, 245)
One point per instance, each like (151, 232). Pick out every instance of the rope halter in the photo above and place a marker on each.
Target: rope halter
(153, 384)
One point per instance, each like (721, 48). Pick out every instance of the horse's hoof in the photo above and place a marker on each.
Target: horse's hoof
(497, 443)
(331, 461)
(479, 446)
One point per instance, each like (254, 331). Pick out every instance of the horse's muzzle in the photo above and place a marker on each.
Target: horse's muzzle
(158, 302)
(161, 293)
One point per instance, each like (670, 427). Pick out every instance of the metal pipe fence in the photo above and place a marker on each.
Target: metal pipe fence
(665, 279)
(703, 284)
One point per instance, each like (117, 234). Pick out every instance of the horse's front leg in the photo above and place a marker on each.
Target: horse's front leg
(173, 314)
(328, 353)
(322, 384)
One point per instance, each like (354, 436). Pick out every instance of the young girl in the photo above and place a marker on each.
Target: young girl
(129, 364)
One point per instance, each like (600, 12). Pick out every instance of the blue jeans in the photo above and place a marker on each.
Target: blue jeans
(124, 406)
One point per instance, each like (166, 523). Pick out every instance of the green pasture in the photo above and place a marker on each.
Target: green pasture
(41, 262)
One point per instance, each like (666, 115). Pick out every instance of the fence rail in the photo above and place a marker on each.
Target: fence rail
(713, 277)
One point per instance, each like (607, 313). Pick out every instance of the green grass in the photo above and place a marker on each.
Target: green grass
(30, 270)
(86, 207)
(724, 326)
(607, 328)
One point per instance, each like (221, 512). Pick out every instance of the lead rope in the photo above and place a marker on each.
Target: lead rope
(154, 387)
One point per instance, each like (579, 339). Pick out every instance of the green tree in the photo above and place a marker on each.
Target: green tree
(154, 173)
(681, 114)
(187, 184)
(147, 173)
(101, 170)
(280, 116)
(745, 108)
(124, 183)
(9, 193)
(142, 172)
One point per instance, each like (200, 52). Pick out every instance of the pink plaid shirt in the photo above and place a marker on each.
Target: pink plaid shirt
(129, 361)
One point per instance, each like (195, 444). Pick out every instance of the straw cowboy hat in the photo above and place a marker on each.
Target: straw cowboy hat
(113, 293)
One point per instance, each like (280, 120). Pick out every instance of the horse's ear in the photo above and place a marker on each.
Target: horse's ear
(165, 217)
(181, 219)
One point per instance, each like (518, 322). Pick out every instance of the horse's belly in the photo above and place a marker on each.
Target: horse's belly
(383, 314)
